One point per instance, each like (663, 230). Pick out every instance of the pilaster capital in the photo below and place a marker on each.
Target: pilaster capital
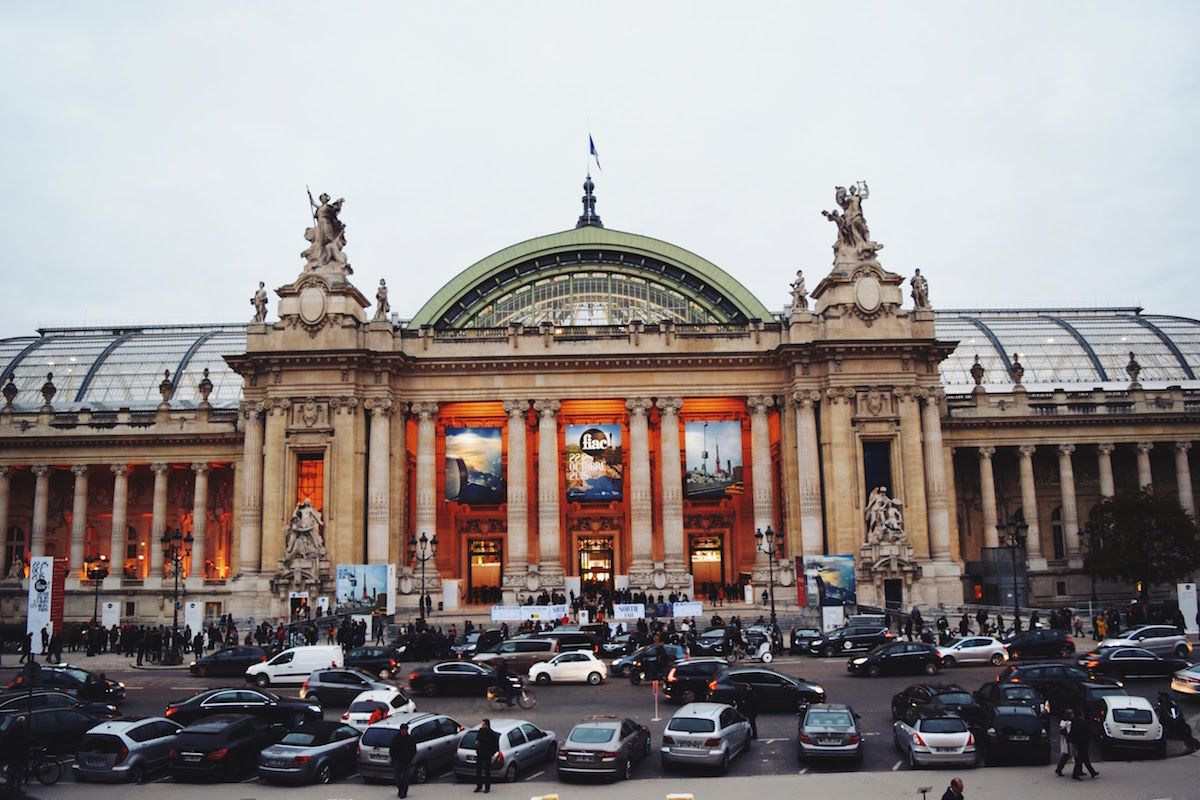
(80, 470)
(380, 405)
(40, 470)
(250, 409)
(806, 398)
(903, 393)
(5, 471)
(516, 409)
(1065, 450)
(424, 411)
(918, 392)
(277, 406)
(839, 394)
(931, 396)
(987, 451)
(344, 405)
(669, 405)
(120, 470)
(1182, 447)
(759, 404)
(1027, 450)
(200, 468)
(547, 408)
(1105, 449)
(1145, 447)
(638, 406)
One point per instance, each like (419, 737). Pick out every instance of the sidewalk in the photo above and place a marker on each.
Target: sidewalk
(104, 662)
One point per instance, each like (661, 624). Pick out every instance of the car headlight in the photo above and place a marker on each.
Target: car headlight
(817, 642)
(121, 684)
(821, 689)
(858, 662)
(315, 709)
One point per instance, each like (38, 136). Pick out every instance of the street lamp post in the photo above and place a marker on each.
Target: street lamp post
(423, 549)
(97, 571)
(176, 547)
(1092, 532)
(1012, 536)
(765, 543)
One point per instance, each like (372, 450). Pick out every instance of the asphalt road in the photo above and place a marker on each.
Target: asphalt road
(560, 706)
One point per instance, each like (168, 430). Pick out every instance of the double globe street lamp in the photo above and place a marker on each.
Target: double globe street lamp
(765, 543)
(176, 547)
(96, 569)
(1012, 536)
(423, 548)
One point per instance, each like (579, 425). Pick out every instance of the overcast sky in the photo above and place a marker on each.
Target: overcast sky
(1021, 154)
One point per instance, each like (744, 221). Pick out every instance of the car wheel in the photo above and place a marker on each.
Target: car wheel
(137, 774)
(827, 651)
(594, 678)
(325, 773)
(768, 657)
(313, 697)
(724, 768)
(420, 774)
(430, 690)
(688, 696)
(542, 679)
(262, 681)
(1181, 651)
(296, 720)
(997, 659)
(930, 668)
(1066, 651)
(627, 773)
(873, 670)
(510, 774)
(948, 661)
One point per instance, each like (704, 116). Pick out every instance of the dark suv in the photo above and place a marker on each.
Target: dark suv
(1041, 643)
(1058, 683)
(950, 697)
(687, 681)
(574, 640)
(849, 639)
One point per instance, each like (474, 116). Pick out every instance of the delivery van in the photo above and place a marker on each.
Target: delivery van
(294, 665)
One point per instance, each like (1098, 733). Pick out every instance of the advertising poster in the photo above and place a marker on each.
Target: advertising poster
(110, 613)
(829, 581)
(629, 611)
(193, 615)
(361, 589)
(474, 472)
(41, 589)
(714, 459)
(594, 462)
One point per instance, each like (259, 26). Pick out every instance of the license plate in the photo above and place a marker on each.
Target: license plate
(94, 762)
(830, 740)
(585, 758)
(945, 749)
(379, 757)
(278, 762)
(1134, 733)
(191, 756)
(1019, 737)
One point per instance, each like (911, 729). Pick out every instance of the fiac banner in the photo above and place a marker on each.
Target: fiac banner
(41, 592)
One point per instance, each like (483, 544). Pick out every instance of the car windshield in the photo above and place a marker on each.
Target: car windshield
(713, 635)
(299, 739)
(468, 741)
(1015, 711)
(378, 736)
(828, 719)
(954, 698)
(692, 725)
(943, 725)
(1020, 693)
(1132, 716)
(77, 674)
(366, 707)
(592, 735)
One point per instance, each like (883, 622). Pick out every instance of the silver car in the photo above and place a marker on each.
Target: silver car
(932, 737)
(705, 734)
(829, 731)
(125, 750)
(436, 736)
(974, 650)
(1163, 640)
(315, 752)
(522, 745)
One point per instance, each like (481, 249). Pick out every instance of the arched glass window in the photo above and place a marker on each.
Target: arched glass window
(1056, 528)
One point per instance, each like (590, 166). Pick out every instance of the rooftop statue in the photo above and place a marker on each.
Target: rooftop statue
(799, 293)
(259, 301)
(920, 290)
(382, 307)
(854, 237)
(328, 235)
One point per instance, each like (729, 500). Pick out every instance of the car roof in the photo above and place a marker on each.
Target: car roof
(125, 723)
(830, 707)
(501, 724)
(701, 710)
(317, 726)
(377, 694)
(1128, 701)
(613, 722)
(409, 718)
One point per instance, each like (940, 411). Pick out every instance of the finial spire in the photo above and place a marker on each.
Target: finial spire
(589, 215)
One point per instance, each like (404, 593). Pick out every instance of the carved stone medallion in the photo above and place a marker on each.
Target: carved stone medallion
(867, 294)
(312, 305)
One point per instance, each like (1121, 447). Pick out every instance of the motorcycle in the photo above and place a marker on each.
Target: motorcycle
(517, 693)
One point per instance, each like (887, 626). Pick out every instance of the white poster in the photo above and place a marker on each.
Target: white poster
(1187, 606)
(323, 606)
(629, 611)
(832, 617)
(691, 609)
(41, 588)
(506, 613)
(583, 617)
(193, 616)
(110, 613)
(391, 590)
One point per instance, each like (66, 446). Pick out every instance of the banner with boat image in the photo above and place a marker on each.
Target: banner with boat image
(714, 459)
(474, 469)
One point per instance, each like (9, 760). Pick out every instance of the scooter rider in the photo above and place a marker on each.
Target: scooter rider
(506, 683)
(1177, 727)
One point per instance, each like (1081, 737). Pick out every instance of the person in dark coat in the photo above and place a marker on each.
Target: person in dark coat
(487, 744)
(402, 751)
(1064, 730)
(954, 791)
(1080, 738)
(747, 704)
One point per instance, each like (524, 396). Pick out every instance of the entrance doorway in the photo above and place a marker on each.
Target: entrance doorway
(893, 594)
(485, 558)
(596, 564)
(706, 560)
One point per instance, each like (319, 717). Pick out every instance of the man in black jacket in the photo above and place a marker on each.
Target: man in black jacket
(402, 750)
(954, 791)
(487, 744)
(1080, 738)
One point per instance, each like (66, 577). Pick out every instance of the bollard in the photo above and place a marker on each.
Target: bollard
(654, 688)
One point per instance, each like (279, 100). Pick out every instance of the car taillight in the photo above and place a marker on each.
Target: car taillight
(668, 741)
(608, 754)
(217, 755)
(888, 635)
(122, 753)
(412, 676)
(854, 739)
(304, 689)
(917, 740)
(671, 675)
(300, 759)
(713, 742)
(499, 759)
(392, 663)
(1093, 664)
(171, 711)
(970, 739)
(346, 715)
(805, 738)
(712, 686)
(1070, 640)
(264, 658)
(358, 749)
(172, 753)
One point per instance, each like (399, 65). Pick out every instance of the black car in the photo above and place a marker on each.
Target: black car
(897, 658)
(476, 642)
(1089, 696)
(574, 640)
(59, 730)
(994, 694)
(50, 698)
(771, 690)
(1042, 643)
(374, 659)
(713, 642)
(87, 686)
(230, 662)
(452, 677)
(687, 681)
(947, 696)
(1058, 683)
(801, 639)
(1015, 733)
(1131, 662)
(643, 659)
(850, 639)
(622, 645)
(259, 703)
(221, 747)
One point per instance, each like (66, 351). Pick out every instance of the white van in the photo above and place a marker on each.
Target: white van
(295, 664)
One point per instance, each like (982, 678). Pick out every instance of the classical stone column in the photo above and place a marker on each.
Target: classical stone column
(1104, 466)
(274, 459)
(760, 460)
(1070, 517)
(517, 558)
(987, 496)
(41, 509)
(672, 484)
(120, 504)
(912, 471)
(199, 521)
(640, 504)
(5, 487)
(426, 478)
(1033, 537)
(250, 530)
(158, 517)
(1145, 479)
(549, 563)
(78, 518)
(935, 480)
(846, 523)
(1183, 477)
(812, 523)
(379, 480)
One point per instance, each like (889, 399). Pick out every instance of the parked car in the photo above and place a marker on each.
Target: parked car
(74, 681)
(706, 735)
(620, 667)
(228, 662)
(974, 650)
(687, 681)
(580, 665)
(897, 658)
(522, 745)
(1056, 682)
(221, 747)
(829, 731)
(52, 698)
(124, 750)
(452, 677)
(1016, 733)
(316, 752)
(1087, 695)
(376, 704)
(1186, 682)
(993, 693)
(597, 630)
(336, 688)
(934, 737)
(383, 662)
(945, 696)
(1041, 643)
(801, 639)
(850, 639)
(712, 642)
(1163, 640)
(519, 654)
(654, 661)
(436, 737)
(294, 665)
(772, 691)
(1130, 662)
(603, 745)
(1129, 724)
(59, 730)
(476, 641)
(620, 646)
(259, 703)
(574, 640)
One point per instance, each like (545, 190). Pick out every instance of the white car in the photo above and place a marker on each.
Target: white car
(974, 650)
(1129, 723)
(578, 665)
(1187, 681)
(375, 704)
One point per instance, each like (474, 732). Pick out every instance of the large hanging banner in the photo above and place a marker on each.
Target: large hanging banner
(363, 588)
(829, 581)
(552, 613)
(714, 459)
(41, 591)
(594, 469)
(629, 611)
(474, 473)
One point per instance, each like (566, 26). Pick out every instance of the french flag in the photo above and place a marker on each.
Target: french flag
(592, 152)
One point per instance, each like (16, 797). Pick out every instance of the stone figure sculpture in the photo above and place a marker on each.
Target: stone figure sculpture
(854, 237)
(799, 293)
(303, 533)
(884, 517)
(259, 301)
(920, 290)
(17, 570)
(327, 236)
(381, 302)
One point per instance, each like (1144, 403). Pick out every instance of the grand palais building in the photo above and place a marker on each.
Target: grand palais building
(590, 409)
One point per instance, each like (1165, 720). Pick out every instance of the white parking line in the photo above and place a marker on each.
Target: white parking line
(536, 775)
(251, 779)
(897, 765)
(803, 771)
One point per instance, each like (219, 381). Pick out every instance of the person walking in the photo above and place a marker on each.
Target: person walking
(747, 705)
(1080, 738)
(1064, 740)
(487, 744)
(27, 649)
(402, 751)
(954, 791)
